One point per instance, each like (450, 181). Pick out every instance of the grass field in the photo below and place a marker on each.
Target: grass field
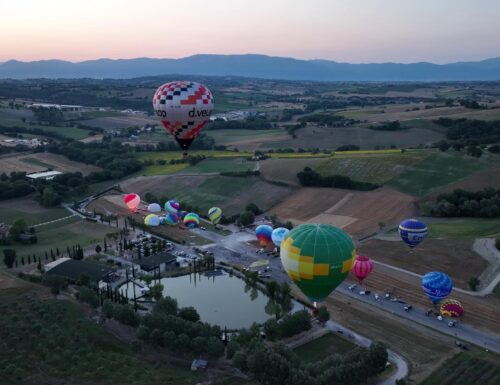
(70, 348)
(465, 228)
(32, 213)
(62, 234)
(285, 169)
(372, 168)
(221, 165)
(68, 132)
(235, 137)
(323, 346)
(437, 170)
(466, 368)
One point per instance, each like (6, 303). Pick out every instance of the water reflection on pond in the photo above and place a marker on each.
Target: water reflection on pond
(222, 300)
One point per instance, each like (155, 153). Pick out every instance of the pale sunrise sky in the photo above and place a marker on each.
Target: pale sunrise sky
(357, 31)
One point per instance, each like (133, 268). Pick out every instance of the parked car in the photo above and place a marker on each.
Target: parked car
(407, 308)
(352, 287)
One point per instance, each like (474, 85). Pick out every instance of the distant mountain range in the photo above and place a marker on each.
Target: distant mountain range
(254, 66)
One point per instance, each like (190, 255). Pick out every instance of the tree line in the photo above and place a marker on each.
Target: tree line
(310, 178)
(468, 132)
(461, 203)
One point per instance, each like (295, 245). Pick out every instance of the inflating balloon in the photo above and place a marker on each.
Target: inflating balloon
(278, 235)
(362, 267)
(181, 214)
(215, 214)
(436, 285)
(154, 208)
(184, 108)
(132, 201)
(317, 258)
(152, 220)
(191, 220)
(172, 206)
(451, 308)
(171, 219)
(412, 231)
(263, 234)
(163, 220)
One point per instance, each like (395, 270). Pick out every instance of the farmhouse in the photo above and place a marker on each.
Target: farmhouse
(157, 261)
(47, 175)
(72, 269)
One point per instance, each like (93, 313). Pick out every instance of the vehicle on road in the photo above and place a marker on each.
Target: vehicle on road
(439, 318)
(377, 297)
(428, 312)
(407, 308)
(452, 324)
(365, 292)
(352, 287)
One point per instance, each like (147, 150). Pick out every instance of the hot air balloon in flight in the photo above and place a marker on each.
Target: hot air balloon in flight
(412, 231)
(263, 234)
(172, 206)
(132, 201)
(152, 220)
(278, 235)
(171, 219)
(184, 108)
(191, 220)
(436, 285)
(362, 267)
(154, 208)
(451, 308)
(215, 214)
(317, 258)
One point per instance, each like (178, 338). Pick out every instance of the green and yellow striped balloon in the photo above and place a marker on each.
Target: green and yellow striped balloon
(317, 258)
(215, 214)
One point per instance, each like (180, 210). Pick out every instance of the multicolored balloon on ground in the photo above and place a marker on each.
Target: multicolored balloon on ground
(317, 258)
(412, 231)
(152, 220)
(436, 285)
(451, 308)
(362, 267)
(263, 234)
(132, 201)
(184, 108)
(171, 219)
(215, 214)
(191, 220)
(172, 206)
(154, 208)
(181, 214)
(278, 235)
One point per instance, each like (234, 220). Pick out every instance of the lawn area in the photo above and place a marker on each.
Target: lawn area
(164, 169)
(466, 368)
(13, 209)
(221, 165)
(374, 168)
(319, 348)
(69, 348)
(437, 170)
(465, 228)
(62, 234)
(68, 132)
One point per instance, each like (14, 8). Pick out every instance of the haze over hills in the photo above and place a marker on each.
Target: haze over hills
(257, 66)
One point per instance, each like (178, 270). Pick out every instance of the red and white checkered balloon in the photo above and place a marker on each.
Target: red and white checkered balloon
(184, 108)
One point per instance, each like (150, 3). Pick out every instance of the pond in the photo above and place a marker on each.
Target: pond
(222, 300)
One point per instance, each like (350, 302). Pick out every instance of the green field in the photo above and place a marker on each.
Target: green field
(66, 347)
(372, 168)
(327, 344)
(221, 165)
(467, 368)
(36, 162)
(437, 170)
(231, 136)
(465, 228)
(62, 234)
(12, 210)
(68, 132)
(423, 123)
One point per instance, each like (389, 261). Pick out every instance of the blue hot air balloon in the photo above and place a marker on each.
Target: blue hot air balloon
(412, 231)
(436, 285)
(278, 235)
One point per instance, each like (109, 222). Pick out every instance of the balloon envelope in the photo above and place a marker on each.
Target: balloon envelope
(362, 267)
(215, 214)
(412, 231)
(172, 206)
(171, 219)
(317, 258)
(152, 220)
(154, 208)
(451, 308)
(184, 108)
(278, 235)
(132, 201)
(263, 234)
(181, 214)
(191, 220)
(436, 285)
